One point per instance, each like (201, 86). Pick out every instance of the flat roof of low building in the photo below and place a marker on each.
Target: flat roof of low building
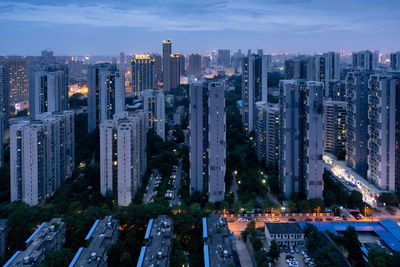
(284, 228)
(158, 243)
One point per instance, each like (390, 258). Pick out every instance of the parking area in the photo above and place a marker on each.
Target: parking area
(152, 187)
(294, 257)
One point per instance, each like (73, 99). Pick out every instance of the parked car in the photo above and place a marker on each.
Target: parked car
(329, 219)
(292, 219)
(308, 219)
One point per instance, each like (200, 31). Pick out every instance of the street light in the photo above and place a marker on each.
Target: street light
(264, 181)
(239, 182)
(235, 172)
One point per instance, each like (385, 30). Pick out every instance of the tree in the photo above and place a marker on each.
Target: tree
(304, 206)
(378, 258)
(58, 258)
(274, 251)
(326, 257)
(389, 199)
(126, 260)
(114, 254)
(356, 198)
(352, 244)
(291, 206)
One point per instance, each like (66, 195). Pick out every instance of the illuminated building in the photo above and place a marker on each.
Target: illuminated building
(383, 91)
(123, 156)
(142, 73)
(254, 88)
(266, 132)
(167, 51)
(106, 93)
(175, 71)
(365, 60)
(335, 127)
(154, 110)
(50, 91)
(332, 66)
(207, 139)
(357, 121)
(41, 156)
(17, 75)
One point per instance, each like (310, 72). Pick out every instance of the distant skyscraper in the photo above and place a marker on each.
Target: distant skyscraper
(224, 58)
(1, 139)
(112, 94)
(260, 52)
(365, 60)
(41, 156)
(383, 100)
(18, 78)
(206, 62)
(266, 132)
(313, 146)
(95, 72)
(154, 110)
(122, 156)
(300, 68)
(157, 68)
(207, 139)
(167, 51)
(50, 91)
(357, 121)
(121, 58)
(395, 61)
(142, 73)
(175, 71)
(254, 89)
(48, 57)
(237, 61)
(332, 66)
(300, 139)
(195, 65)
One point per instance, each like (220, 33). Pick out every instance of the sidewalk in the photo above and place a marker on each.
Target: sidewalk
(243, 253)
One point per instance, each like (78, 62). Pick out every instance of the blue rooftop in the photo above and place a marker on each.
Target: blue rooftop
(34, 233)
(12, 258)
(388, 230)
(148, 230)
(75, 257)
(141, 257)
(206, 256)
(92, 229)
(205, 233)
(239, 102)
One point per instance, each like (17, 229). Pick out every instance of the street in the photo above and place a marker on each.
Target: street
(177, 184)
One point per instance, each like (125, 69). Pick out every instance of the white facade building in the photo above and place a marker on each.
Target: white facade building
(41, 156)
(123, 156)
(208, 139)
(154, 109)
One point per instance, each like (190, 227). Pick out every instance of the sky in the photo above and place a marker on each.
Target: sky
(107, 27)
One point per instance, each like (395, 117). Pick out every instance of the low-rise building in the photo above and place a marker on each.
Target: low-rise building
(103, 234)
(218, 246)
(284, 233)
(158, 243)
(49, 237)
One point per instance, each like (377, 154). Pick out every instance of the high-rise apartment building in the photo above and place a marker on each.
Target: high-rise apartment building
(383, 92)
(365, 60)
(123, 156)
(154, 110)
(175, 71)
(195, 65)
(300, 139)
(395, 61)
(157, 68)
(17, 75)
(1, 139)
(106, 93)
(335, 127)
(357, 121)
(266, 132)
(142, 73)
(4, 95)
(224, 58)
(167, 51)
(332, 66)
(254, 88)
(207, 139)
(313, 140)
(50, 90)
(41, 156)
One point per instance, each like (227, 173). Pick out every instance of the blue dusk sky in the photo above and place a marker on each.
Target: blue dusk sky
(106, 27)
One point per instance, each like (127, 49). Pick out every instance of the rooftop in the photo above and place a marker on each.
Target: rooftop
(284, 228)
(217, 242)
(103, 234)
(158, 242)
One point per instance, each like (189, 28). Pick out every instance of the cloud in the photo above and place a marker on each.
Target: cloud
(288, 16)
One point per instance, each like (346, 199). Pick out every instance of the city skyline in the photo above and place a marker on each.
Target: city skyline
(137, 27)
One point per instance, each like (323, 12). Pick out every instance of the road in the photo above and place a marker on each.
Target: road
(177, 184)
(151, 186)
